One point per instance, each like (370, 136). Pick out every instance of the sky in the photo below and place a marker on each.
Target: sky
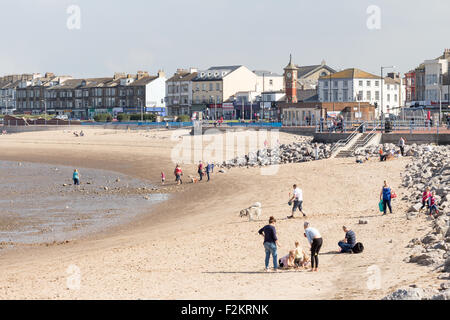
(110, 36)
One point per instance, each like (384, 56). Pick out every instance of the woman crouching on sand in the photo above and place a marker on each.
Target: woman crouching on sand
(315, 240)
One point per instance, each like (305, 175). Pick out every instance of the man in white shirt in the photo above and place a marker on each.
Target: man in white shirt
(297, 197)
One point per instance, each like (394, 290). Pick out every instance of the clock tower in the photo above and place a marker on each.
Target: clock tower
(290, 80)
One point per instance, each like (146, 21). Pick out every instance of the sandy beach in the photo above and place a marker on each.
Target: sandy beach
(195, 246)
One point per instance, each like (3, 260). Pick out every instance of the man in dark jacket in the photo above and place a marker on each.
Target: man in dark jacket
(349, 242)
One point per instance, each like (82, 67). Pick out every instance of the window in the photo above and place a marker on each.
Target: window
(345, 95)
(335, 95)
(325, 95)
(335, 84)
(395, 98)
(368, 83)
(359, 96)
(360, 83)
(388, 97)
(431, 79)
(377, 83)
(326, 84)
(369, 95)
(377, 95)
(271, 82)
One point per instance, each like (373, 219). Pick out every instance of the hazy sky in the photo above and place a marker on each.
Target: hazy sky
(126, 36)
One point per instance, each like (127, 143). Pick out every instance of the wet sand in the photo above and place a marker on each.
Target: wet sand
(195, 246)
(39, 203)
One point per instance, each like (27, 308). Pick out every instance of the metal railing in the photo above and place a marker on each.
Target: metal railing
(344, 142)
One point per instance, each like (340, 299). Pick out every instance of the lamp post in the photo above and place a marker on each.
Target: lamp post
(382, 84)
(140, 105)
(440, 102)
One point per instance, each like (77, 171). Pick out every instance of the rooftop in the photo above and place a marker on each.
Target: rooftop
(352, 73)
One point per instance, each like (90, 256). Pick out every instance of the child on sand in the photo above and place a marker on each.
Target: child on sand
(76, 178)
(288, 260)
(301, 259)
(163, 178)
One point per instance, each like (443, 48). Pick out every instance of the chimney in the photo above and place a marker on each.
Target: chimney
(446, 53)
(141, 74)
(118, 75)
(161, 74)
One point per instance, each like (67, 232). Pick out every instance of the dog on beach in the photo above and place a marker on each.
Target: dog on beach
(193, 179)
(251, 212)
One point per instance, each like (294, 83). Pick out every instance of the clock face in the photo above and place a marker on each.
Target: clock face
(289, 75)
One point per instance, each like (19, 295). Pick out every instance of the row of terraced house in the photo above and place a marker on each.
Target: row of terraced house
(83, 98)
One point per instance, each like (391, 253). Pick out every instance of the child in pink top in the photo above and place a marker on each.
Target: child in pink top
(163, 177)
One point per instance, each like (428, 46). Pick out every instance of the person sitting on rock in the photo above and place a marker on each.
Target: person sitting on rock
(426, 194)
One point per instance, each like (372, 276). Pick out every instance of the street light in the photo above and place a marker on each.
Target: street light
(142, 113)
(215, 107)
(440, 99)
(382, 84)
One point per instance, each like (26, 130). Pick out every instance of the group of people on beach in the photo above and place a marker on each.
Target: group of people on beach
(202, 171)
(297, 258)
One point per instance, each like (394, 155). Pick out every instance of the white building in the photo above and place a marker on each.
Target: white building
(434, 72)
(179, 92)
(268, 81)
(357, 85)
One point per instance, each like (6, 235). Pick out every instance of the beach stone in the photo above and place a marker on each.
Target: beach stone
(415, 208)
(363, 222)
(429, 239)
(442, 296)
(406, 294)
(425, 259)
(447, 265)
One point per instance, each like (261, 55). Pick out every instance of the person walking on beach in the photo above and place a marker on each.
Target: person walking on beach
(178, 173)
(163, 178)
(76, 178)
(401, 144)
(208, 171)
(200, 170)
(270, 243)
(297, 197)
(316, 151)
(385, 195)
(349, 241)
(316, 241)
